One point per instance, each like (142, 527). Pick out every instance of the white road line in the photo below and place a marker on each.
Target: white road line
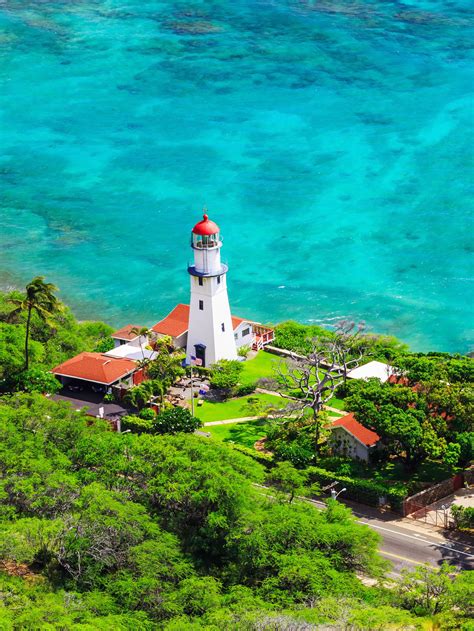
(417, 538)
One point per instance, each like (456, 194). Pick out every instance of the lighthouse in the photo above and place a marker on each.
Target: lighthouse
(210, 332)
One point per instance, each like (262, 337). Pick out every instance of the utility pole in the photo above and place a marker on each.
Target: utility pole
(192, 392)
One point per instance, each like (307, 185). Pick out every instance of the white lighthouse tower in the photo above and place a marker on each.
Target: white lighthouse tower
(210, 332)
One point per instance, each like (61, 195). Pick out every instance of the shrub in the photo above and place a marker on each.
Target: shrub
(463, 516)
(466, 442)
(109, 398)
(176, 420)
(299, 452)
(265, 459)
(244, 389)
(104, 344)
(296, 337)
(243, 351)
(225, 375)
(137, 425)
(147, 414)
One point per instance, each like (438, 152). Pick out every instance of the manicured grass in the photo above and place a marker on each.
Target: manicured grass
(233, 408)
(241, 433)
(262, 365)
(336, 403)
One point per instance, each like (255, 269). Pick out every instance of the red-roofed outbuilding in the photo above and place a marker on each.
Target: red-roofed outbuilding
(351, 438)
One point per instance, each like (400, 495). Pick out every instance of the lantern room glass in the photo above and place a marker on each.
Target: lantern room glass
(204, 241)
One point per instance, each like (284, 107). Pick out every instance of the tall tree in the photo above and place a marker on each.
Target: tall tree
(314, 378)
(39, 299)
(142, 332)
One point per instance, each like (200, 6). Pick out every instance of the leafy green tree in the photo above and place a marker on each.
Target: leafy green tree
(176, 420)
(12, 357)
(452, 454)
(425, 590)
(104, 344)
(39, 298)
(401, 418)
(288, 480)
(465, 440)
(225, 375)
(38, 380)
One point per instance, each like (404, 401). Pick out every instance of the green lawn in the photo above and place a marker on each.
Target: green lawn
(233, 408)
(262, 365)
(336, 403)
(241, 433)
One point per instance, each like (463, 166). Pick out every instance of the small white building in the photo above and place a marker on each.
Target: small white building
(350, 438)
(373, 369)
(127, 335)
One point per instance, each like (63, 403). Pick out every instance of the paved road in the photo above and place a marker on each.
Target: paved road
(406, 547)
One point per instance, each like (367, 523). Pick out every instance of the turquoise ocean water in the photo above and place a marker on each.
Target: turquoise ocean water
(331, 140)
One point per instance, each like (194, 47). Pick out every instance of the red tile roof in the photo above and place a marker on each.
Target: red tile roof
(362, 434)
(125, 333)
(176, 323)
(237, 321)
(95, 367)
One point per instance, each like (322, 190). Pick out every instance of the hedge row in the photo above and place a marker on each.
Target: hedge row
(265, 459)
(364, 491)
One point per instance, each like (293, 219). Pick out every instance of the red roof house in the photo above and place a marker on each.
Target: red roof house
(175, 324)
(125, 333)
(351, 438)
(95, 368)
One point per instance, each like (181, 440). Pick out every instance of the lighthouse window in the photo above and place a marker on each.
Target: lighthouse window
(223, 327)
(201, 305)
(218, 280)
(201, 281)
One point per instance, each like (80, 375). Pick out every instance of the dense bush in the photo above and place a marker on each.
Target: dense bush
(137, 424)
(148, 414)
(463, 516)
(176, 420)
(296, 337)
(38, 380)
(243, 390)
(225, 375)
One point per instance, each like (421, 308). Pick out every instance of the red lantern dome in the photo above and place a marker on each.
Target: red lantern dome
(206, 227)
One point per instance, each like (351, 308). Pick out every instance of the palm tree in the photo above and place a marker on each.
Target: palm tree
(39, 298)
(141, 332)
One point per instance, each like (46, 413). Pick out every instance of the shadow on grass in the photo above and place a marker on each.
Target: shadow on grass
(246, 433)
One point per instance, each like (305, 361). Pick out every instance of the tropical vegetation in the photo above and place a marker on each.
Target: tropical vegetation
(100, 530)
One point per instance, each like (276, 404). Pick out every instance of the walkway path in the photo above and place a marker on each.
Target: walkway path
(228, 421)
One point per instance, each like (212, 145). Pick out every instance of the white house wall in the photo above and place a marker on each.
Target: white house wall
(243, 340)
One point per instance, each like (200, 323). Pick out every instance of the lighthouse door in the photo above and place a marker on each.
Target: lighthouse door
(201, 353)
